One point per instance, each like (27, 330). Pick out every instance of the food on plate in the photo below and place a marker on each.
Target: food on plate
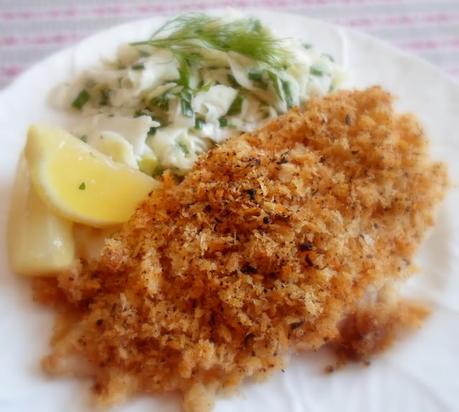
(40, 242)
(163, 101)
(289, 237)
(80, 183)
(197, 81)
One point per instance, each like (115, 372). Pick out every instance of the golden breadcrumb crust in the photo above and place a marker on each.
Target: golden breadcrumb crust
(279, 239)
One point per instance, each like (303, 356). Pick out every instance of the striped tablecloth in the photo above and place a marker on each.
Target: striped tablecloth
(32, 29)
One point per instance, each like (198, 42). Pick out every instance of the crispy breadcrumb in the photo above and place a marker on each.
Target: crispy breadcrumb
(276, 240)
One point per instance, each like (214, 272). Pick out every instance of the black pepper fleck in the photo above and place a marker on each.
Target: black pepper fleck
(297, 325)
(252, 193)
(306, 246)
(248, 269)
(247, 338)
(283, 159)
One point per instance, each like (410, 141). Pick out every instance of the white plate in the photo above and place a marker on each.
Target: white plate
(420, 373)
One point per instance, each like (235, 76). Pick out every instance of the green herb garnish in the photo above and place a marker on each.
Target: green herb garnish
(139, 113)
(185, 103)
(152, 130)
(82, 186)
(223, 121)
(84, 138)
(257, 78)
(138, 66)
(236, 106)
(316, 71)
(186, 34)
(287, 93)
(277, 84)
(161, 102)
(199, 122)
(204, 87)
(183, 147)
(184, 74)
(81, 99)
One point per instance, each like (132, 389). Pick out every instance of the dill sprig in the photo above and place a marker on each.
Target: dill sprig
(186, 34)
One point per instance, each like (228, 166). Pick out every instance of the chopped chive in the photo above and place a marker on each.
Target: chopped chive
(277, 85)
(223, 121)
(161, 102)
(307, 45)
(185, 103)
(81, 99)
(138, 66)
(82, 186)
(199, 122)
(205, 87)
(287, 93)
(255, 76)
(236, 106)
(257, 79)
(152, 130)
(184, 74)
(84, 138)
(183, 147)
(315, 71)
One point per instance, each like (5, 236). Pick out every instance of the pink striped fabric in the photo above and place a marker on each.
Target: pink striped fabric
(31, 29)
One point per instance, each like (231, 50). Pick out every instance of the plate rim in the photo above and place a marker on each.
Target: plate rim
(23, 77)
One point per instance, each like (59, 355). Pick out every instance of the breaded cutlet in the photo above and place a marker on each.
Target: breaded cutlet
(286, 238)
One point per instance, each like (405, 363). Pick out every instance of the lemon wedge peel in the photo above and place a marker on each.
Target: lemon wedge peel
(40, 243)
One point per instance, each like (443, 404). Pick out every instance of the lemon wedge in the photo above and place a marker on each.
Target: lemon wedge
(39, 241)
(80, 183)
